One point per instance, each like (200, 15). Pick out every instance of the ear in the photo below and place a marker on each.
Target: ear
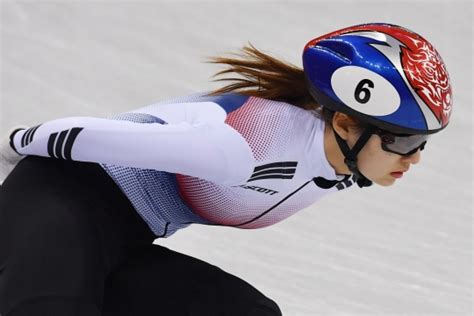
(341, 124)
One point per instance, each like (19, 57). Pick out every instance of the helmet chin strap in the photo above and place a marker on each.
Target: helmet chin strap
(351, 154)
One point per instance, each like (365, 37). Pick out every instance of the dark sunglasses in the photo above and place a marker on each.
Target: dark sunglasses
(405, 145)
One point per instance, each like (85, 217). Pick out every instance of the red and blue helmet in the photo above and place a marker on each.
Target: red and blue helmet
(382, 74)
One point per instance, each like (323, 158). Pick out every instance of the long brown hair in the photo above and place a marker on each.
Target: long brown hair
(264, 76)
(261, 75)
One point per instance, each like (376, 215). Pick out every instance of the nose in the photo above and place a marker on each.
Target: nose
(414, 158)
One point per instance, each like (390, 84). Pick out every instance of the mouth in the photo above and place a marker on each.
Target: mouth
(397, 174)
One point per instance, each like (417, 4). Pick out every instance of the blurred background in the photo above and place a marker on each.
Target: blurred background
(403, 250)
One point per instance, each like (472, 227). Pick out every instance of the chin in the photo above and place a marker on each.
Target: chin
(384, 182)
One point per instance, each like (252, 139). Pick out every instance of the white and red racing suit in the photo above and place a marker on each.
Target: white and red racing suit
(229, 160)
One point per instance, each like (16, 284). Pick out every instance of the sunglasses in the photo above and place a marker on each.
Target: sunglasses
(405, 145)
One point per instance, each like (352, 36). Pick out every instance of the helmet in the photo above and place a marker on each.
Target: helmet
(382, 74)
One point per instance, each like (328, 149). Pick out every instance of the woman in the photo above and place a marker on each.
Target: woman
(248, 155)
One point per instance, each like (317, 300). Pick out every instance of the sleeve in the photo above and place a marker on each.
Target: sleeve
(213, 151)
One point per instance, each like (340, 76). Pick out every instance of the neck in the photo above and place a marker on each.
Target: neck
(333, 153)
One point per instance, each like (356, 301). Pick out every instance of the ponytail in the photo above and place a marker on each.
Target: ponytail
(264, 76)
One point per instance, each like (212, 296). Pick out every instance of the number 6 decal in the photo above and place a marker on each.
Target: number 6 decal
(361, 93)
(354, 86)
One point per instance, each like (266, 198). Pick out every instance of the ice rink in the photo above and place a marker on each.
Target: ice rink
(403, 250)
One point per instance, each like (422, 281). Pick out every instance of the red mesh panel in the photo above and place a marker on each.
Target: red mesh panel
(267, 127)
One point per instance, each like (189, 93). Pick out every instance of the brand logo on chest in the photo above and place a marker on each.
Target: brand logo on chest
(258, 189)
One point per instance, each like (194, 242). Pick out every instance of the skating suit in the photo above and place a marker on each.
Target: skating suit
(228, 160)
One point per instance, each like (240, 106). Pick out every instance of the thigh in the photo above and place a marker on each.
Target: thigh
(48, 242)
(66, 194)
(157, 281)
(63, 225)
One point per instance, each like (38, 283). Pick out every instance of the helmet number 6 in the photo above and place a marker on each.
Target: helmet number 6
(362, 92)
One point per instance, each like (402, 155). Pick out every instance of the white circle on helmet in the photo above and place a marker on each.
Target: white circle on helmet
(365, 91)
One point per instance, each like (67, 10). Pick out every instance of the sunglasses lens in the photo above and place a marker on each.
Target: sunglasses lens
(405, 145)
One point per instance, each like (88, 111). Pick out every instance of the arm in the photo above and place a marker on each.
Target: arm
(211, 151)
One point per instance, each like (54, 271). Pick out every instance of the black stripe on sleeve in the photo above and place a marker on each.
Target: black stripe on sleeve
(70, 142)
(59, 144)
(32, 134)
(24, 137)
(51, 140)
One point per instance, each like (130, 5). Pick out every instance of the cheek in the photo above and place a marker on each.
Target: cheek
(374, 161)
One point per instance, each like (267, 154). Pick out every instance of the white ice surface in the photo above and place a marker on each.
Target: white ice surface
(403, 250)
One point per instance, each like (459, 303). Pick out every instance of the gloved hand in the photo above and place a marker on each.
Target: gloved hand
(8, 156)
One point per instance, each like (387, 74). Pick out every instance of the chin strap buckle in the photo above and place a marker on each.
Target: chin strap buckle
(361, 180)
(364, 182)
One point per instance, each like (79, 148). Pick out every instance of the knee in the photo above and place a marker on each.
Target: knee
(219, 304)
(256, 305)
(233, 296)
(266, 307)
